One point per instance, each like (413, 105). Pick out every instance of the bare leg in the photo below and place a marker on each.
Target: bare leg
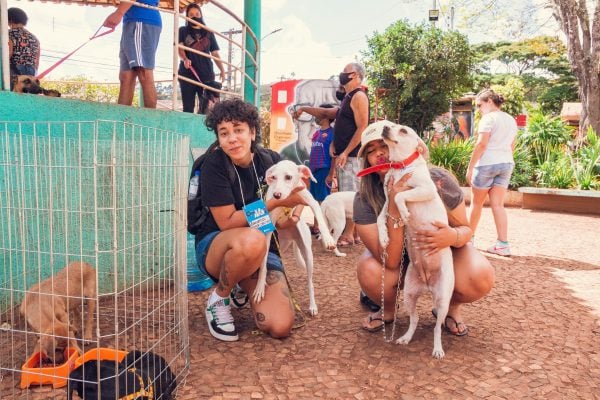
(474, 277)
(127, 87)
(146, 78)
(477, 199)
(497, 203)
(369, 277)
(274, 314)
(235, 254)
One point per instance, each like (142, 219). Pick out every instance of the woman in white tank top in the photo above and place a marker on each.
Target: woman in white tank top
(491, 165)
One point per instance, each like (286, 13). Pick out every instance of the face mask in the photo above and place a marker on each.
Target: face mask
(195, 27)
(340, 95)
(345, 77)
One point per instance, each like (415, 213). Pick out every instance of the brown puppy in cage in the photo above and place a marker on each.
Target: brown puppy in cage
(47, 304)
(30, 84)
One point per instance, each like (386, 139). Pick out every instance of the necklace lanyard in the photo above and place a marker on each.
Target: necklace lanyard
(240, 181)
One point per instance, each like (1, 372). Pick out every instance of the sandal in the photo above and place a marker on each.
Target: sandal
(376, 328)
(457, 325)
(342, 242)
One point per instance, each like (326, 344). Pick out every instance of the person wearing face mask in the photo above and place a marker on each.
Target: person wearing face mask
(197, 67)
(351, 119)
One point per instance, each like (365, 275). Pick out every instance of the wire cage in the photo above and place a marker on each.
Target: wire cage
(110, 196)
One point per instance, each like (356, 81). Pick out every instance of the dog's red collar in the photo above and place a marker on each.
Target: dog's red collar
(384, 167)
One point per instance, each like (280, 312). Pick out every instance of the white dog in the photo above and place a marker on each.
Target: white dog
(419, 207)
(337, 207)
(282, 178)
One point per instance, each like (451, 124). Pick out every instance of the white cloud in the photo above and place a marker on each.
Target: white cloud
(295, 50)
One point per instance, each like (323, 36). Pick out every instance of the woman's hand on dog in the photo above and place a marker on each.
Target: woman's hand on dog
(397, 187)
(432, 241)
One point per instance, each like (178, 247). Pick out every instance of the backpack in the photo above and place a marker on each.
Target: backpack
(197, 213)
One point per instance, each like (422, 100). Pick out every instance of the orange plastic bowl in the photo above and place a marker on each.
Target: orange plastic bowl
(100, 353)
(56, 375)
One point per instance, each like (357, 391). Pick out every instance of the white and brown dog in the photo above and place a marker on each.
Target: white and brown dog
(46, 307)
(419, 207)
(31, 84)
(337, 207)
(282, 178)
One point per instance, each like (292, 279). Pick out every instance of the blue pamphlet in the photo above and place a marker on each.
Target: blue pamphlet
(258, 216)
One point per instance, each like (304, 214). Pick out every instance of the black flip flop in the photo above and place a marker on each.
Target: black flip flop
(457, 325)
(377, 328)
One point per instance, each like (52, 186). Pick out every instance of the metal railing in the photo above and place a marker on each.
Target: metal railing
(232, 68)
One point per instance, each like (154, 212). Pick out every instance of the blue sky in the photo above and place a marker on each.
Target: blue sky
(317, 37)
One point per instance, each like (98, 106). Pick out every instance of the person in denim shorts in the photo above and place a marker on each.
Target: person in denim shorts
(491, 166)
(139, 41)
(227, 248)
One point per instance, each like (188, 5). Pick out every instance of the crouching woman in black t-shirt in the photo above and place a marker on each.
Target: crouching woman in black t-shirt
(227, 248)
(474, 275)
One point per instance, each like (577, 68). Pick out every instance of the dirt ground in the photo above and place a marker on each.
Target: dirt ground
(535, 336)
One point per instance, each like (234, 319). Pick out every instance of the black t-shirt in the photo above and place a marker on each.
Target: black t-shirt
(218, 189)
(345, 125)
(201, 40)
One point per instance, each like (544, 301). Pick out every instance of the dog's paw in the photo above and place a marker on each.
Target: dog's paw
(438, 353)
(404, 339)
(405, 215)
(259, 293)
(328, 242)
(313, 310)
(338, 253)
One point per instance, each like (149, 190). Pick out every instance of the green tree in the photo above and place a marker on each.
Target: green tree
(540, 62)
(80, 87)
(421, 69)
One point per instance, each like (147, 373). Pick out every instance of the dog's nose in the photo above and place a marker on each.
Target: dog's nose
(386, 132)
(277, 195)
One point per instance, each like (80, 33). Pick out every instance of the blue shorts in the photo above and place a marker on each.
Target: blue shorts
(319, 189)
(139, 42)
(273, 260)
(486, 176)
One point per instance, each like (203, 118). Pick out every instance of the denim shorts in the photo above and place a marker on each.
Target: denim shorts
(486, 176)
(273, 260)
(139, 42)
(346, 177)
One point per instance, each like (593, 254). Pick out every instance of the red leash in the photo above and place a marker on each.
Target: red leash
(384, 167)
(56, 64)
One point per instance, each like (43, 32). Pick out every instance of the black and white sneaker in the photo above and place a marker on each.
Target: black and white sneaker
(238, 297)
(220, 320)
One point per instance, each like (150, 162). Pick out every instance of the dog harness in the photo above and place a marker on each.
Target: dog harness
(385, 166)
(148, 394)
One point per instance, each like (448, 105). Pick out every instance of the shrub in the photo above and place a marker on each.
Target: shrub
(453, 155)
(523, 174)
(545, 135)
(556, 171)
(585, 162)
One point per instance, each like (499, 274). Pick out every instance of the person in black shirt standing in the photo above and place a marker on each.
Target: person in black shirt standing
(195, 66)
(351, 119)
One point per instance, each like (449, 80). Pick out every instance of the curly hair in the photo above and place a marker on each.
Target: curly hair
(17, 16)
(233, 110)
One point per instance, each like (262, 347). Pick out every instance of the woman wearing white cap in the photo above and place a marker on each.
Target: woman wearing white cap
(474, 275)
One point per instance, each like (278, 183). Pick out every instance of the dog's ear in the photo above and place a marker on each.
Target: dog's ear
(269, 175)
(305, 173)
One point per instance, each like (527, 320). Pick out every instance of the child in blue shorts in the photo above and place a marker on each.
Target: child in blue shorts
(320, 160)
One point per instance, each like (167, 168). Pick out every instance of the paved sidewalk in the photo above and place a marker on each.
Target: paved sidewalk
(533, 337)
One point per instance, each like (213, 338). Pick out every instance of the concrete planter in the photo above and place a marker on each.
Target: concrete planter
(512, 198)
(567, 200)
